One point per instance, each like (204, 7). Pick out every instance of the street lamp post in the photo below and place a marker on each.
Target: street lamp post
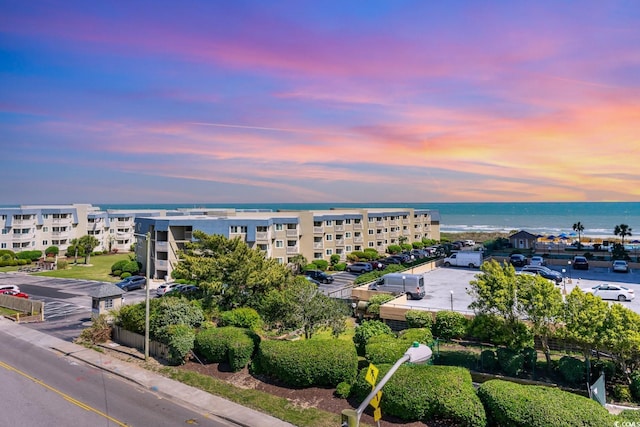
(417, 353)
(451, 300)
(403, 285)
(564, 281)
(148, 278)
(569, 268)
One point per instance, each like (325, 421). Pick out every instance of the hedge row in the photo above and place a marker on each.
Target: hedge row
(387, 349)
(511, 404)
(308, 363)
(13, 262)
(226, 344)
(424, 392)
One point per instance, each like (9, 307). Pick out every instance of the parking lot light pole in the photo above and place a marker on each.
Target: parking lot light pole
(451, 300)
(564, 281)
(148, 279)
(417, 353)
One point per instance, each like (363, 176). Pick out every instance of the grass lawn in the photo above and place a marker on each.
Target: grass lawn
(98, 269)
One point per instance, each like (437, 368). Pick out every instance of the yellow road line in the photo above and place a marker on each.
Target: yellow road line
(64, 395)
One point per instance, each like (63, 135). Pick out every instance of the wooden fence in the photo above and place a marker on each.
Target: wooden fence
(131, 339)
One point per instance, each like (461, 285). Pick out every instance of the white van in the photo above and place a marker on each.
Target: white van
(411, 285)
(469, 259)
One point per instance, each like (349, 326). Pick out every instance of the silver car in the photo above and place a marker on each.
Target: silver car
(620, 266)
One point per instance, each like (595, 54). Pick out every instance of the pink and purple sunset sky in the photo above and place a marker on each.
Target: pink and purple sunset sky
(319, 101)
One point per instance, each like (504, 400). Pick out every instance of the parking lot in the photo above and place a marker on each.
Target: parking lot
(446, 288)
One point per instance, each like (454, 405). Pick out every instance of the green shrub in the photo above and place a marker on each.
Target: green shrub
(530, 356)
(634, 387)
(622, 393)
(343, 390)
(487, 328)
(425, 392)
(341, 266)
(600, 366)
(368, 329)
(125, 275)
(510, 361)
(421, 335)
(385, 351)
(29, 255)
(572, 370)
(180, 339)
(334, 259)
(132, 267)
(52, 250)
(320, 264)
(226, 344)
(118, 266)
(394, 249)
(419, 319)
(376, 301)
(243, 317)
(315, 362)
(628, 415)
(62, 264)
(511, 404)
(174, 311)
(450, 325)
(488, 361)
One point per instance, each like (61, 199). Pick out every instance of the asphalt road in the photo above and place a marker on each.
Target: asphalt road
(42, 388)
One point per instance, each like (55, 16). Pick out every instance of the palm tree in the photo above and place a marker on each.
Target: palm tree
(298, 263)
(623, 231)
(578, 228)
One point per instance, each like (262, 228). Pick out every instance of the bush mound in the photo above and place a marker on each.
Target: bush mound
(180, 339)
(419, 319)
(425, 392)
(511, 362)
(488, 360)
(634, 387)
(511, 404)
(315, 362)
(571, 369)
(366, 331)
(226, 344)
(450, 325)
(243, 317)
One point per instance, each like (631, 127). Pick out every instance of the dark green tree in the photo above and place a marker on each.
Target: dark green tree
(88, 243)
(579, 228)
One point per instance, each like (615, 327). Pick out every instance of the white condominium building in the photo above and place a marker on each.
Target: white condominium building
(285, 234)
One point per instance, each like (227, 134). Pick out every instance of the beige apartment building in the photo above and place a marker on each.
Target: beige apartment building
(283, 235)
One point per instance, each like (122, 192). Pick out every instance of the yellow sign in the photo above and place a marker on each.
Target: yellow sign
(377, 414)
(372, 374)
(375, 401)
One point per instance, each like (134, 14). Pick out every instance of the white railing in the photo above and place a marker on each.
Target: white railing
(292, 232)
(357, 226)
(292, 250)
(318, 230)
(339, 227)
(318, 245)
(339, 242)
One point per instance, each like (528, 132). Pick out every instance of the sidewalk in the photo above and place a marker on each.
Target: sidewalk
(165, 387)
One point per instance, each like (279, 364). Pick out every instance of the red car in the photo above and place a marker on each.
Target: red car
(14, 293)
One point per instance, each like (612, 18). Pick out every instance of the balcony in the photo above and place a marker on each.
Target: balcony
(358, 239)
(23, 237)
(379, 223)
(394, 234)
(292, 250)
(406, 232)
(162, 264)
(59, 234)
(380, 236)
(406, 221)
(339, 242)
(23, 222)
(357, 226)
(339, 227)
(162, 246)
(292, 232)
(263, 236)
(394, 222)
(318, 230)
(61, 220)
(318, 245)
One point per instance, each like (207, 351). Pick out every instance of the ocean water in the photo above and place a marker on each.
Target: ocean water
(598, 218)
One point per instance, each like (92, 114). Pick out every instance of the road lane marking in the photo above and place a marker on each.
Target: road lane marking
(63, 395)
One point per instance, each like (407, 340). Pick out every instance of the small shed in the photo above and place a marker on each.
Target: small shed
(523, 240)
(105, 297)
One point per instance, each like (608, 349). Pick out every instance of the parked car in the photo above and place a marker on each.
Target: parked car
(314, 281)
(620, 266)
(359, 267)
(537, 260)
(580, 263)
(378, 265)
(182, 290)
(518, 260)
(391, 260)
(543, 271)
(132, 282)
(13, 293)
(418, 253)
(320, 276)
(614, 292)
(9, 288)
(166, 287)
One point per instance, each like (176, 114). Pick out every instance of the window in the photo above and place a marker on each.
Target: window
(328, 222)
(280, 260)
(3, 246)
(371, 244)
(238, 229)
(279, 244)
(5, 230)
(45, 242)
(108, 303)
(45, 229)
(348, 248)
(329, 251)
(292, 243)
(370, 232)
(317, 255)
(261, 229)
(278, 227)
(317, 223)
(356, 221)
(347, 235)
(347, 221)
(4, 217)
(339, 251)
(329, 237)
